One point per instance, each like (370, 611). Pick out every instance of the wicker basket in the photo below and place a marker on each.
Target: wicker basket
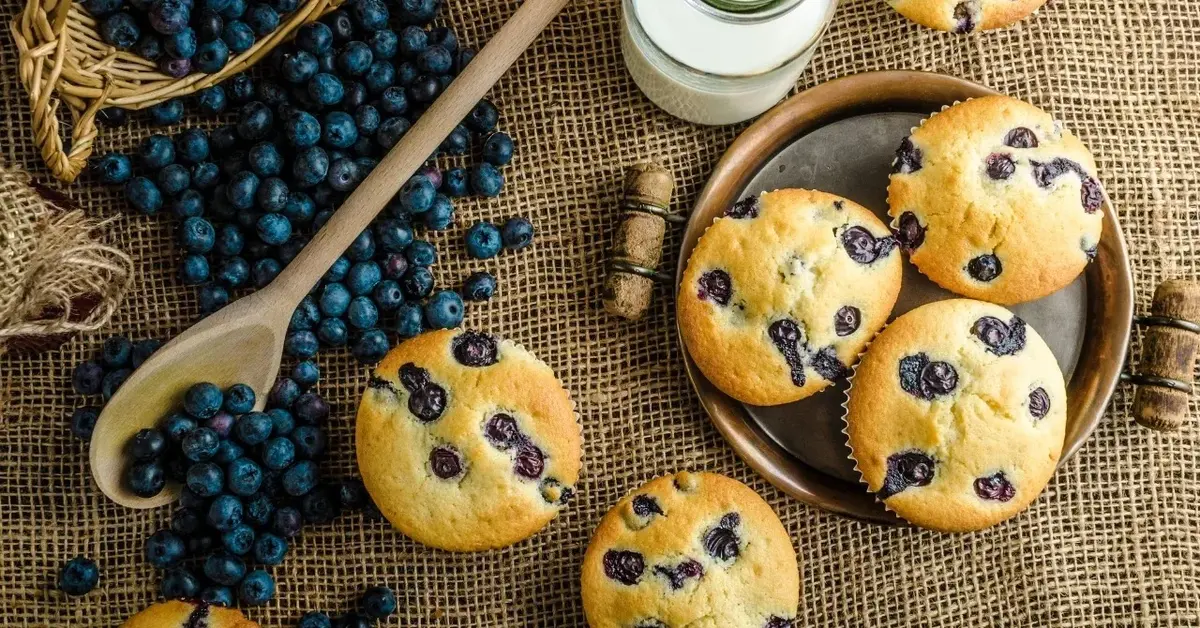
(63, 58)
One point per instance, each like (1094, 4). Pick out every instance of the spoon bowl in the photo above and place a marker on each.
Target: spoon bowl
(244, 342)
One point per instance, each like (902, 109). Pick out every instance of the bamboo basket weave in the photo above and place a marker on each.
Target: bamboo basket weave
(63, 58)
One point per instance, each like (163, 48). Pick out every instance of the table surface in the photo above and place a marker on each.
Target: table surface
(1112, 542)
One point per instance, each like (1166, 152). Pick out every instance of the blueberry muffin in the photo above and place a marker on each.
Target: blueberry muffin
(994, 200)
(693, 549)
(467, 442)
(958, 16)
(784, 291)
(956, 416)
(177, 614)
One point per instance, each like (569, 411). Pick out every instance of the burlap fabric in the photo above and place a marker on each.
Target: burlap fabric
(1113, 542)
(56, 276)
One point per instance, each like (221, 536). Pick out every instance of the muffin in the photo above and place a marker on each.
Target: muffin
(784, 291)
(957, 16)
(178, 614)
(956, 415)
(467, 442)
(693, 549)
(994, 200)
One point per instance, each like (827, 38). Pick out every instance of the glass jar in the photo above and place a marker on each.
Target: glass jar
(720, 61)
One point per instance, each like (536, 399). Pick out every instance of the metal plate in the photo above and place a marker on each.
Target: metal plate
(840, 138)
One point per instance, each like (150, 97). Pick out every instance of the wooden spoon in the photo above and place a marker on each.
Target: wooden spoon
(243, 342)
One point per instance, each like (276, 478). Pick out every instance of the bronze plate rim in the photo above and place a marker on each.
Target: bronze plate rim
(1110, 294)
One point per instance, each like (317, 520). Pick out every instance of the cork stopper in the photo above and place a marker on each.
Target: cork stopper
(1169, 353)
(638, 245)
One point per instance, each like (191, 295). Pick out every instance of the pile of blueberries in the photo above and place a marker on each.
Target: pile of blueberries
(182, 37)
(251, 481)
(102, 376)
(249, 195)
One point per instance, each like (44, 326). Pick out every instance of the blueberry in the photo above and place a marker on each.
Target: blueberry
(435, 60)
(444, 37)
(218, 596)
(301, 344)
(103, 8)
(262, 19)
(254, 121)
(174, 179)
(333, 332)
(409, 321)
(224, 514)
(303, 130)
(213, 297)
(146, 479)
(905, 470)
(306, 374)
(205, 479)
(112, 117)
(417, 283)
(113, 168)
(370, 15)
(243, 476)
(421, 253)
(387, 296)
(78, 576)
(298, 66)
(208, 25)
(229, 241)
(283, 394)
(239, 540)
(417, 195)
(310, 442)
(394, 236)
(120, 30)
(270, 549)
(222, 424)
(353, 494)
(149, 46)
(458, 142)
(117, 352)
(371, 346)
(143, 195)
(391, 130)
(455, 183)
(300, 478)
(310, 408)
(148, 444)
(306, 316)
(299, 208)
(203, 400)
(224, 568)
(264, 271)
(483, 240)
(378, 602)
(366, 121)
(164, 549)
(384, 43)
(177, 426)
(87, 377)
(182, 45)
(238, 36)
(325, 89)
(233, 272)
(313, 619)
(274, 229)
(487, 180)
(343, 175)
(156, 152)
(334, 300)
(282, 421)
(395, 266)
(83, 422)
(179, 583)
(112, 381)
(278, 453)
(253, 429)
(355, 59)
(272, 196)
(444, 310)
(310, 167)
(517, 233)
(362, 313)
(441, 215)
(417, 11)
(483, 117)
(380, 76)
(200, 444)
(210, 58)
(480, 286)
(406, 74)
(363, 277)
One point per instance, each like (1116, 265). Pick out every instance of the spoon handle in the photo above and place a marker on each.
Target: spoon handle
(357, 212)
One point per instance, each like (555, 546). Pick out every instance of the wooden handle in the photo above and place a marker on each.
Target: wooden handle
(1169, 353)
(638, 245)
(412, 151)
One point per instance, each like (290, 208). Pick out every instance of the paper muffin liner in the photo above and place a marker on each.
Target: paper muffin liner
(846, 423)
